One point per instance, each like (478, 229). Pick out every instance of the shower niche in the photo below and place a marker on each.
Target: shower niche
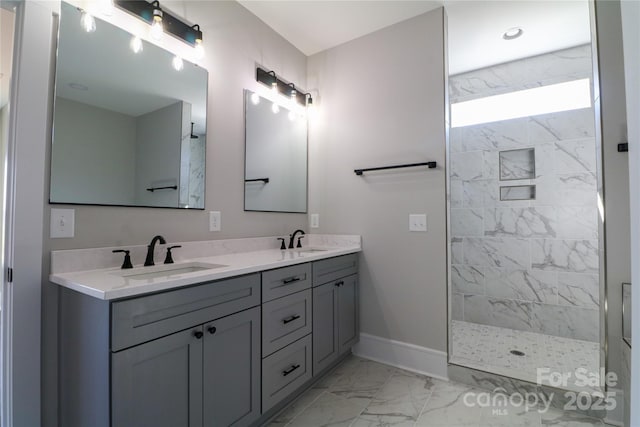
(526, 289)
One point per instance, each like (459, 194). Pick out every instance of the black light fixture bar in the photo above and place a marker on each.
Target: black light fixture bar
(430, 165)
(284, 88)
(171, 24)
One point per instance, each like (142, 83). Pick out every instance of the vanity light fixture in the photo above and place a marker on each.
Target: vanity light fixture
(88, 22)
(289, 90)
(198, 48)
(308, 100)
(156, 26)
(162, 21)
(512, 33)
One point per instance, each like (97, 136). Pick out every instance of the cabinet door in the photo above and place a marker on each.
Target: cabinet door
(159, 383)
(232, 369)
(325, 326)
(347, 313)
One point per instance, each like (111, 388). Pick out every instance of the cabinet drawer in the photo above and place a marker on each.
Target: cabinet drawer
(284, 281)
(142, 319)
(284, 371)
(333, 268)
(285, 320)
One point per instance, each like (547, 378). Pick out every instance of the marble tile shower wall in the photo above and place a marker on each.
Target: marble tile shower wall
(529, 265)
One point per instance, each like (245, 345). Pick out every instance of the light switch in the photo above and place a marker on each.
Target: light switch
(215, 221)
(62, 223)
(315, 221)
(417, 222)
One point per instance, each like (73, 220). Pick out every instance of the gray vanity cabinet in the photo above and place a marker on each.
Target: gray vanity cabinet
(335, 309)
(232, 370)
(208, 375)
(159, 383)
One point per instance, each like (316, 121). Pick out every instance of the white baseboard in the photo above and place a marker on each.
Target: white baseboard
(402, 355)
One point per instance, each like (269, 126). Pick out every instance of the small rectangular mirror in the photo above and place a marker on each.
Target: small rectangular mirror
(129, 128)
(275, 177)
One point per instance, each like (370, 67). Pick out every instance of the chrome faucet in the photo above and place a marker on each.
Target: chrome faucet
(292, 238)
(151, 248)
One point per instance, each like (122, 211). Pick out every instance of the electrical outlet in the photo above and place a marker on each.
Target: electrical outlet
(418, 222)
(315, 221)
(62, 223)
(215, 219)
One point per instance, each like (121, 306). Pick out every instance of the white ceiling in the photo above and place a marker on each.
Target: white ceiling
(475, 26)
(316, 25)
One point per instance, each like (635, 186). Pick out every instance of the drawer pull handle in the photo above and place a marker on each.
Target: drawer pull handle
(198, 334)
(340, 283)
(212, 329)
(288, 371)
(291, 280)
(290, 319)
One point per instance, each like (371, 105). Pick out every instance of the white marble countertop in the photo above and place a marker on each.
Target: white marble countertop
(114, 283)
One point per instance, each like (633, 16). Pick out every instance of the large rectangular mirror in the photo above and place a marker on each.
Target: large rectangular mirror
(129, 128)
(275, 157)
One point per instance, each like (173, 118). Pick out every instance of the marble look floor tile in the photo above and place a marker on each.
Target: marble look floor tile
(559, 418)
(362, 422)
(361, 381)
(453, 404)
(330, 410)
(400, 400)
(297, 406)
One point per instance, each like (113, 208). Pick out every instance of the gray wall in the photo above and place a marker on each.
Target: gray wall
(89, 141)
(382, 102)
(235, 41)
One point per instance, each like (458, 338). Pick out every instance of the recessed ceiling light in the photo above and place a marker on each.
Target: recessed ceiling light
(512, 33)
(78, 86)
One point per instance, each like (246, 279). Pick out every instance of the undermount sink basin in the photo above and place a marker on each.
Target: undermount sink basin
(168, 271)
(310, 250)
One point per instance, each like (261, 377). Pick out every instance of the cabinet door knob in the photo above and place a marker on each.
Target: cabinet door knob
(340, 283)
(212, 329)
(198, 334)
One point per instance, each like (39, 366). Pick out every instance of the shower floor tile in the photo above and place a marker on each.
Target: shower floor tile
(488, 348)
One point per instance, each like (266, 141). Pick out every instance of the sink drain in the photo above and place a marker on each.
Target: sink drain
(517, 353)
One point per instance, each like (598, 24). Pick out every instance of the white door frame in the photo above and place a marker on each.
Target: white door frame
(25, 205)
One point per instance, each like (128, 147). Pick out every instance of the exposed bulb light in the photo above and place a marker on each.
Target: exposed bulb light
(275, 108)
(292, 116)
(512, 33)
(177, 63)
(88, 22)
(293, 91)
(198, 49)
(255, 98)
(156, 27)
(274, 82)
(136, 44)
